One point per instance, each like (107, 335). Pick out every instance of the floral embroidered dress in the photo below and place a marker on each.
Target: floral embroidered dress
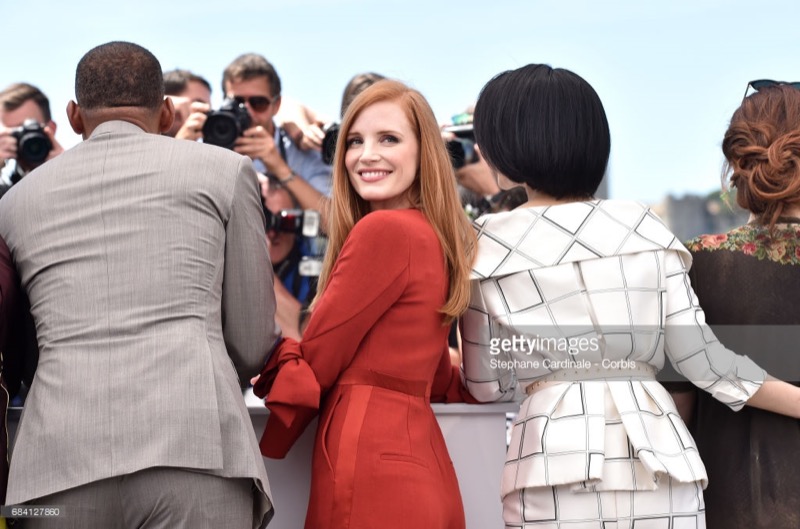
(755, 240)
(748, 283)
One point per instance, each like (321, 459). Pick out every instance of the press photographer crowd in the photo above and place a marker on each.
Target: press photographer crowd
(353, 271)
(297, 216)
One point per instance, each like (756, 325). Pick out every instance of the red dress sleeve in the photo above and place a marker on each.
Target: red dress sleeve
(369, 276)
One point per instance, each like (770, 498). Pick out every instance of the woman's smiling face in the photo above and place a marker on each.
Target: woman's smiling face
(382, 156)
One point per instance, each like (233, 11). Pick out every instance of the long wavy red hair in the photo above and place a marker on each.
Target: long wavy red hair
(433, 192)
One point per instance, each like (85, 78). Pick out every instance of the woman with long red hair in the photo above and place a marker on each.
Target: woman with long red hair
(374, 354)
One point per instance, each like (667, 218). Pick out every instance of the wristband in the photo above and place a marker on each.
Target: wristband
(288, 179)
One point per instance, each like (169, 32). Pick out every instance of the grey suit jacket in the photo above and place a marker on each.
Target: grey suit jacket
(145, 261)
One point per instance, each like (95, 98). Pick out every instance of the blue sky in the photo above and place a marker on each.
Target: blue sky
(669, 73)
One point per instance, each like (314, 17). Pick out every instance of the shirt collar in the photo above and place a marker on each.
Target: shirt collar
(540, 237)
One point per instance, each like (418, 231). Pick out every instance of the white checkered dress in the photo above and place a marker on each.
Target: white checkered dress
(611, 273)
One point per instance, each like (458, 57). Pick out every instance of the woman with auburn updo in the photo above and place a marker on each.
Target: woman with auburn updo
(375, 354)
(747, 279)
(592, 297)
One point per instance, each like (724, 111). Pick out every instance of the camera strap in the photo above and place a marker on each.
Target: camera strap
(283, 137)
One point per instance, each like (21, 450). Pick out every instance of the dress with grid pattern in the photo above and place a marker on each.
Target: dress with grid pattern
(611, 274)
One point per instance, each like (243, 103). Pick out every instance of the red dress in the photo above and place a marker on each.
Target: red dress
(372, 358)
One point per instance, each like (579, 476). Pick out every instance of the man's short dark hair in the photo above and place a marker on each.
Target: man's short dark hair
(176, 81)
(119, 74)
(546, 128)
(17, 94)
(250, 66)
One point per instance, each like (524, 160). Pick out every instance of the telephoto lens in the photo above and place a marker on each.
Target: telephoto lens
(224, 125)
(329, 142)
(33, 145)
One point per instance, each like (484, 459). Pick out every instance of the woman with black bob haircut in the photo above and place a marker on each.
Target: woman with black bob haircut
(532, 140)
(575, 304)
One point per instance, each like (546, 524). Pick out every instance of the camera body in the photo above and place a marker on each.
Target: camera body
(306, 224)
(462, 148)
(298, 221)
(225, 124)
(33, 144)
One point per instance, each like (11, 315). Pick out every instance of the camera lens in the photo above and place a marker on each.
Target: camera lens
(221, 129)
(34, 148)
(462, 147)
(291, 221)
(458, 155)
(223, 126)
(33, 144)
(285, 221)
(329, 143)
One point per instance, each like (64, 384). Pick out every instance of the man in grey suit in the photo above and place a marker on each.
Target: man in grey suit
(145, 262)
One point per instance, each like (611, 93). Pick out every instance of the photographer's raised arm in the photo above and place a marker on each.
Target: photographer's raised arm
(302, 124)
(8, 144)
(192, 127)
(306, 195)
(27, 131)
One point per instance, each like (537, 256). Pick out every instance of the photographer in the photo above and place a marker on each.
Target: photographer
(191, 96)
(295, 258)
(357, 84)
(477, 185)
(25, 146)
(252, 81)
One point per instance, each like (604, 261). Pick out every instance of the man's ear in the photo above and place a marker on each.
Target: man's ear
(277, 103)
(167, 115)
(75, 118)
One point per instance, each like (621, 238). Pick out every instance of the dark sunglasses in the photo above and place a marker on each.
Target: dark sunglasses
(257, 103)
(760, 84)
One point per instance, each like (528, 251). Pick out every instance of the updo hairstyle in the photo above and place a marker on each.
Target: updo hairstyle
(762, 152)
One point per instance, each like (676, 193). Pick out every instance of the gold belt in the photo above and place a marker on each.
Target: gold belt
(637, 371)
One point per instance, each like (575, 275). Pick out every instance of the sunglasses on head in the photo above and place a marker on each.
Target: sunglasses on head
(760, 84)
(257, 103)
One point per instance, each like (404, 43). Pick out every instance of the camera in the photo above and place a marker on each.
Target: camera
(462, 148)
(33, 145)
(224, 125)
(301, 222)
(306, 224)
(329, 142)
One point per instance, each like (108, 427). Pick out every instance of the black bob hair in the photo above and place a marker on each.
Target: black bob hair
(546, 128)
